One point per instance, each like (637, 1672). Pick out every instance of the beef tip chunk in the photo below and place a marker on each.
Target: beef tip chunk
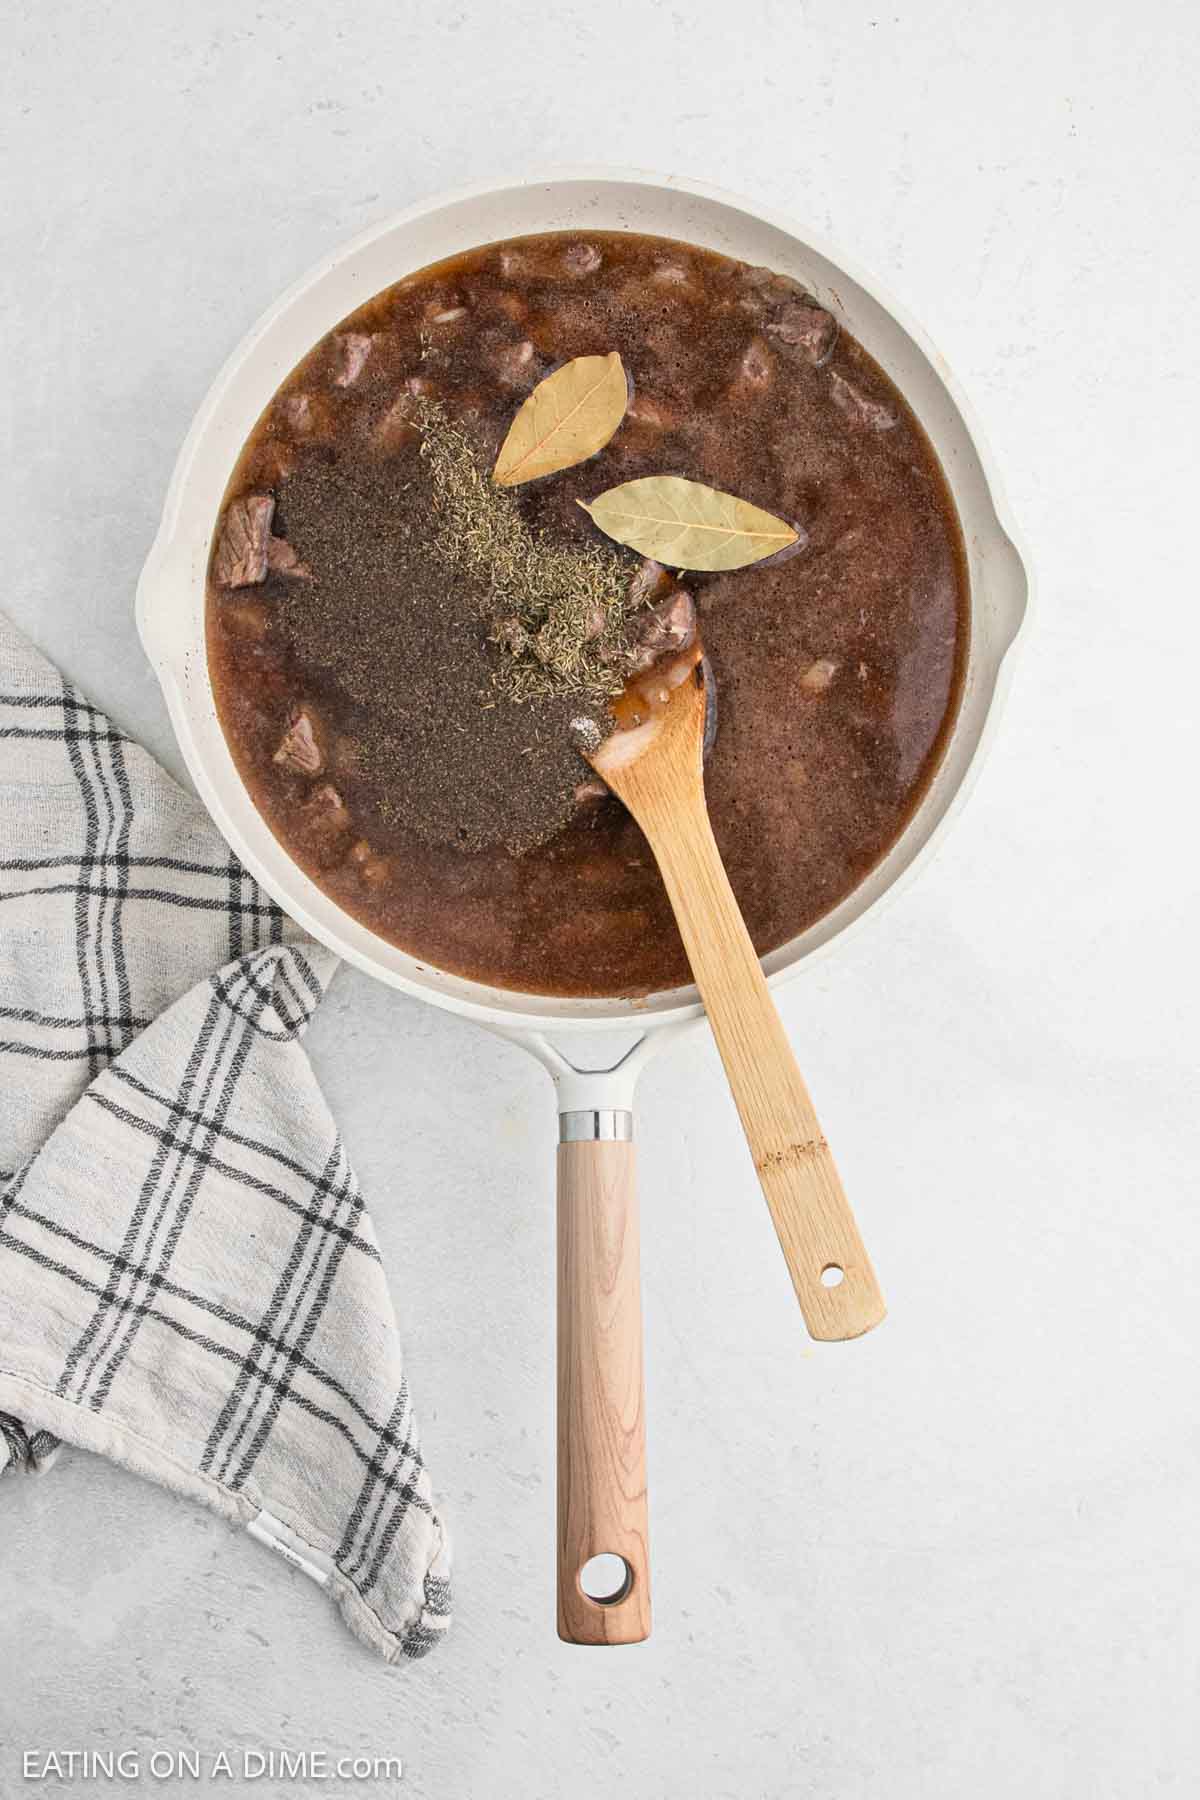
(859, 408)
(650, 582)
(398, 428)
(271, 461)
(283, 560)
(652, 413)
(772, 288)
(241, 558)
(300, 748)
(646, 423)
(594, 622)
(818, 675)
(808, 328)
(589, 793)
(515, 363)
(326, 822)
(353, 349)
(511, 635)
(372, 869)
(298, 409)
(790, 314)
(756, 367)
(326, 802)
(311, 416)
(581, 259)
(665, 631)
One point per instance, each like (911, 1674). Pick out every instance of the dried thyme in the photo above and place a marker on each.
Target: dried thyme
(558, 611)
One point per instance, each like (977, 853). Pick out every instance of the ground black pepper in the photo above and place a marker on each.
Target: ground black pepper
(404, 659)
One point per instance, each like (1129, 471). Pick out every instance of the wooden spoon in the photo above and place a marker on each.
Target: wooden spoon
(654, 763)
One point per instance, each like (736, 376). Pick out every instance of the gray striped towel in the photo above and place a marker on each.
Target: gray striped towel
(189, 1281)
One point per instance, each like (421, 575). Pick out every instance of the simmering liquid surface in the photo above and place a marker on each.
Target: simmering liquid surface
(837, 670)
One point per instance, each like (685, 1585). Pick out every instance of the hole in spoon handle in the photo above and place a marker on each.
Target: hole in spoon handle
(826, 1258)
(606, 1579)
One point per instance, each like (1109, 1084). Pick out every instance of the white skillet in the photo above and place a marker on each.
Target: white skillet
(601, 1459)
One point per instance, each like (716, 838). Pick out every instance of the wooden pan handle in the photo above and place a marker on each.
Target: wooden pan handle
(826, 1258)
(601, 1408)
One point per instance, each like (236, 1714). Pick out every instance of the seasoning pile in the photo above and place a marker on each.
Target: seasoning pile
(415, 684)
(467, 647)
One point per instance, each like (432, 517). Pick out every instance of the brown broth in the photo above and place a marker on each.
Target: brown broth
(838, 670)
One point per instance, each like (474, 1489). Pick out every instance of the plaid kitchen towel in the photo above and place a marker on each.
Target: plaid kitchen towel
(189, 1282)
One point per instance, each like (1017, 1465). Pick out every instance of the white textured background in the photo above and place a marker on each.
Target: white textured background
(961, 1557)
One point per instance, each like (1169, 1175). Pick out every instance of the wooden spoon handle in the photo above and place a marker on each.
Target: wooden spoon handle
(826, 1258)
(601, 1408)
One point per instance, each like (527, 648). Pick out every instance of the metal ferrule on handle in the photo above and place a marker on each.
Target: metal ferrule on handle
(605, 1124)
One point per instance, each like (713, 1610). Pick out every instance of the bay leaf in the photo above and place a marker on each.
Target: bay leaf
(567, 418)
(686, 525)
